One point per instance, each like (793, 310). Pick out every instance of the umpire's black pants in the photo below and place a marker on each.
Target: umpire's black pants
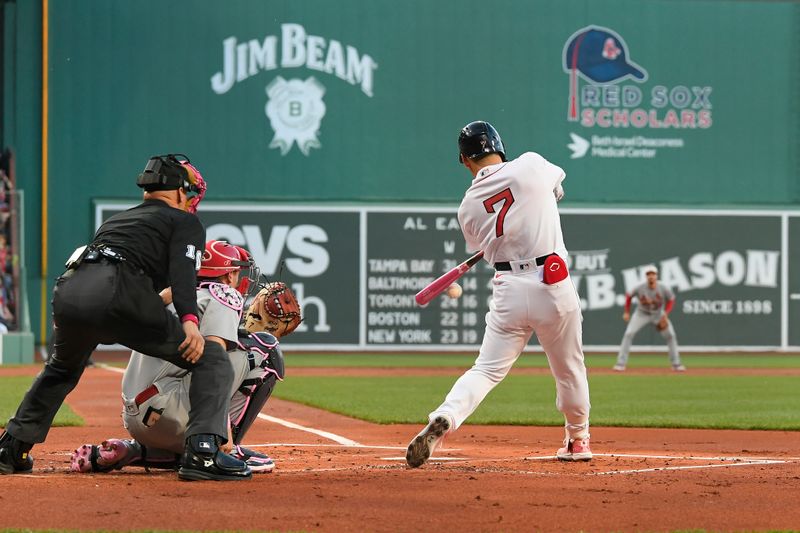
(106, 303)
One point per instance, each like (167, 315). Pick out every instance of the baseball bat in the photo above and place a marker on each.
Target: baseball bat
(440, 284)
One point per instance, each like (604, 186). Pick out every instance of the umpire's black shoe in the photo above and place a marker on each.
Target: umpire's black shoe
(14, 456)
(202, 459)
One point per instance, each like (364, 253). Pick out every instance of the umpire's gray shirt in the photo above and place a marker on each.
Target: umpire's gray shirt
(652, 301)
(216, 318)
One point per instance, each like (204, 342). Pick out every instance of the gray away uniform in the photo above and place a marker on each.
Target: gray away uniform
(649, 310)
(219, 308)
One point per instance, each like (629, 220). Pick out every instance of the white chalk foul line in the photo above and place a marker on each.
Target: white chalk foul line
(324, 434)
(691, 467)
(111, 368)
(726, 462)
(311, 445)
(683, 457)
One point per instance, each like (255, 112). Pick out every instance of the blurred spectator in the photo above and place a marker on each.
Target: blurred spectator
(7, 287)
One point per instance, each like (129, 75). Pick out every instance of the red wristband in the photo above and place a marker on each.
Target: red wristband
(189, 317)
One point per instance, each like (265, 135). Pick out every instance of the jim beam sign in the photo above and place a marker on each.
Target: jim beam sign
(294, 106)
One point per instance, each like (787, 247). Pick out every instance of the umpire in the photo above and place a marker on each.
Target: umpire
(109, 294)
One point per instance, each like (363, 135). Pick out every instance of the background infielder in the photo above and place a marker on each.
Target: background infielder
(155, 394)
(510, 213)
(655, 301)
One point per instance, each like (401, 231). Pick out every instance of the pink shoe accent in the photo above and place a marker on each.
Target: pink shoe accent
(258, 462)
(111, 452)
(82, 459)
(575, 450)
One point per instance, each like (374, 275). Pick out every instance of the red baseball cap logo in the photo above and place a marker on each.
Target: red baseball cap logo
(610, 49)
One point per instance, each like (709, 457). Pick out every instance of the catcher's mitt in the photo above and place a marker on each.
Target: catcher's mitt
(275, 309)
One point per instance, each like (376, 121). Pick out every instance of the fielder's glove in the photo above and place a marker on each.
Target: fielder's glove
(275, 309)
(662, 324)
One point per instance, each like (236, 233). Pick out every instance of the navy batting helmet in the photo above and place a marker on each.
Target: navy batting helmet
(479, 138)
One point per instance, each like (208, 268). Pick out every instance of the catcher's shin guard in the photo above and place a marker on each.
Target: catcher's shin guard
(266, 369)
(255, 402)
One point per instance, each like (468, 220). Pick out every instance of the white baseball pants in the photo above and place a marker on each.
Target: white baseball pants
(521, 305)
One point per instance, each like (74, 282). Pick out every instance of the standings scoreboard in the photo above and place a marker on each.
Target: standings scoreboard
(405, 252)
(356, 269)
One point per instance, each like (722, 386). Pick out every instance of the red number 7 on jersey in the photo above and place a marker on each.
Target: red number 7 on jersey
(507, 198)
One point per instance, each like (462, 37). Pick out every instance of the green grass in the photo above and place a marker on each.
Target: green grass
(14, 388)
(685, 401)
(659, 400)
(389, 360)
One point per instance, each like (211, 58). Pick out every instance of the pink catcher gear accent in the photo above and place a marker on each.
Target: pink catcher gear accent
(224, 294)
(196, 188)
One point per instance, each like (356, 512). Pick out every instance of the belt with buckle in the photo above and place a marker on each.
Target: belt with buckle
(145, 395)
(505, 265)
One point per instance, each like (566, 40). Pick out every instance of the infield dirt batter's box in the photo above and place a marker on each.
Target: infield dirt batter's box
(356, 270)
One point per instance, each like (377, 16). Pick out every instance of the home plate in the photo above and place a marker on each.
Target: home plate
(439, 459)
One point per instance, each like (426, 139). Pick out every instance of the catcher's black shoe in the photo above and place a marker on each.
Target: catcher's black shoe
(203, 460)
(14, 456)
(423, 445)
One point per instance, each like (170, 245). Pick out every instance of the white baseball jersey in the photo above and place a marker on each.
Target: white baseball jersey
(510, 210)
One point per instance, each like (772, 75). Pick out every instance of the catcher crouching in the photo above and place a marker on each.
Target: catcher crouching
(156, 416)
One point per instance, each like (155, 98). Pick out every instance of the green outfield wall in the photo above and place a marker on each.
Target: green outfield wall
(645, 102)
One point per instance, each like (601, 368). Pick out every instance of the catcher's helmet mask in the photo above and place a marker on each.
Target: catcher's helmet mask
(479, 138)
(221, 257)
(249, 275)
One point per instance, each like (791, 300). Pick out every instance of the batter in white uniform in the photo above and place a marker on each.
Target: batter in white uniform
(510, 212)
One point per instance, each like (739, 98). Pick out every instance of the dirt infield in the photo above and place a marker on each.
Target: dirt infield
(339, 474)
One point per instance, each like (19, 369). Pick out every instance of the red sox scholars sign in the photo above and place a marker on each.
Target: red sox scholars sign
(607, 90)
